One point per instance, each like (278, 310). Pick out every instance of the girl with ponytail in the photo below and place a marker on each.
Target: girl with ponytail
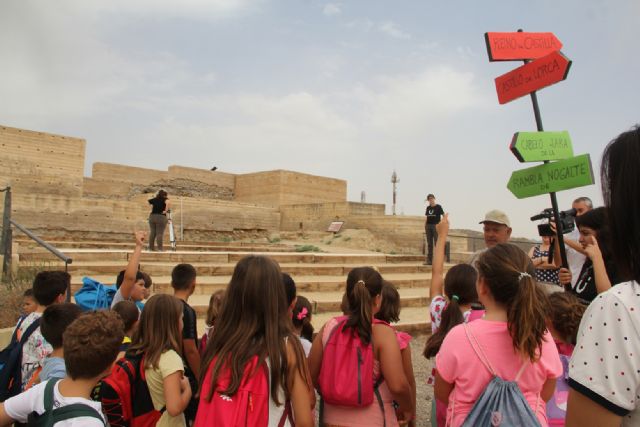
(376, 339)
(512, 338)
(449, 308)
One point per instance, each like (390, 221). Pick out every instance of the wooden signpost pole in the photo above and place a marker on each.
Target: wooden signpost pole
(552, 195)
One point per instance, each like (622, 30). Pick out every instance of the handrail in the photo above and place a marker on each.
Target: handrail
(47, 246)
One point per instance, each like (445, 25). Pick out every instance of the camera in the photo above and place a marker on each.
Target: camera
(567, 219)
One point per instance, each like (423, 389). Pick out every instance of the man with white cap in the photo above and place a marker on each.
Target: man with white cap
(496, 229)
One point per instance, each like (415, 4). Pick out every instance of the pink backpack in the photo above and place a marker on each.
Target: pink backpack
(248, 407)
(346, 372)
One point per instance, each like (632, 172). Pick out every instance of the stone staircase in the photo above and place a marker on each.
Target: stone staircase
(320, 277)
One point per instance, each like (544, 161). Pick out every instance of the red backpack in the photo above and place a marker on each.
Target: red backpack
(125, 396)
(248, 407)
(346, 373)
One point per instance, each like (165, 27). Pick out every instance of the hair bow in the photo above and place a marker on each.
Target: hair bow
(303, 313)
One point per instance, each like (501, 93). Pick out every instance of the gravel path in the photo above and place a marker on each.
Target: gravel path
(424, 392)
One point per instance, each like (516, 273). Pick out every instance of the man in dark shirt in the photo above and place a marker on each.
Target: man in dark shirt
(433, 213)
(183, 282)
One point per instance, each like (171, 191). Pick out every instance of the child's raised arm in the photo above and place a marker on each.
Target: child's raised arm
(437, 273)
(132, 267)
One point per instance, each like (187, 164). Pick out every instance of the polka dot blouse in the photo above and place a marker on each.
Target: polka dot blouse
(605, 366)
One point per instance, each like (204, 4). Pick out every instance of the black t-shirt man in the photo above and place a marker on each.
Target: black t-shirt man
(434, 213)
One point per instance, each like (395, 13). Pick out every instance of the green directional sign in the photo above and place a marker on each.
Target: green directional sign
(541, 146)
(551, 177)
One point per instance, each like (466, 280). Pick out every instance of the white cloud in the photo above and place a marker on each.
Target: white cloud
(195, 9)
(410, 105)
(331, 9)
(365, 24)
(389, 28)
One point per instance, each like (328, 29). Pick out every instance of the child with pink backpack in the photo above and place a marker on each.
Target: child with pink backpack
(355, 362)
(501, 369)
(254, 371)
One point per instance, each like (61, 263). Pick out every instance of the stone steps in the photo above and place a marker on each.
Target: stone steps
(183, 246)
(41, 255)
(156, 268)
(209, 284)
(321, 277)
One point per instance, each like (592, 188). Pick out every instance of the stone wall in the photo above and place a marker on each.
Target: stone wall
(318, 216)
(113, 172)
(217, 178)
(52, 216)
(41, 162)
(280, 187)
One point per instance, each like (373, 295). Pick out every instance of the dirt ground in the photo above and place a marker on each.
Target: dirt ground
(421, 370)
(349, 239)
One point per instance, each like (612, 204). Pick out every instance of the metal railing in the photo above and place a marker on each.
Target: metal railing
(7, 240)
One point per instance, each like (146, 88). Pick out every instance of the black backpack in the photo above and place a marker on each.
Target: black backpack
(52, 415)
(11, 362)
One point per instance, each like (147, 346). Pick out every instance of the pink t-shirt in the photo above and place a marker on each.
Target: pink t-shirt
(458, 364)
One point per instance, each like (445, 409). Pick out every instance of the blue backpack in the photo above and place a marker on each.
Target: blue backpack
(502, 402)
(94, 295)
(11, 362)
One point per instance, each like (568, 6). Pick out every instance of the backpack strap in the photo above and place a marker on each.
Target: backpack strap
(483, 357)
(76, 410)
(14, 336)
(522, 369)
(143, 377)
(339, 322)
(286, 414)
(30, 330)
(478, 350)
(48, 394)
(376, 391)
(50, 416)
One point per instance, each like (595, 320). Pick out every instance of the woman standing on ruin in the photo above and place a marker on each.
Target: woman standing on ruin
(158, 218)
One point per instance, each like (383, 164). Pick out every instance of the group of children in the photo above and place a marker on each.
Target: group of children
(259, 319)
(493, 319)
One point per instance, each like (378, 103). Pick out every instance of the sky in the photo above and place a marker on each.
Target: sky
(346, 89)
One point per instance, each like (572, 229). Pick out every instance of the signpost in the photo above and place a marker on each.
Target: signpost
(541, 146)
(544, 65)
(542, 72)
(552, 177)
(520, 45)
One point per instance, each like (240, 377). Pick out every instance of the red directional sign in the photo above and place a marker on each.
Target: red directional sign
(519, 46)
(535, 75)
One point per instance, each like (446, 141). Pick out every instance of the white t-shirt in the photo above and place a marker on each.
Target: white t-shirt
(605, 366)
(19, 407)
(574, 258)
(34, 351)
(306, 346)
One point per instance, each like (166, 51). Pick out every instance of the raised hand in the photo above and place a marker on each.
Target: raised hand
(140, 237)
(592, 249)
(442, 228)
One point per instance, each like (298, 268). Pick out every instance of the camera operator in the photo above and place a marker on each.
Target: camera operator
(598, 272)
(576, 256)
